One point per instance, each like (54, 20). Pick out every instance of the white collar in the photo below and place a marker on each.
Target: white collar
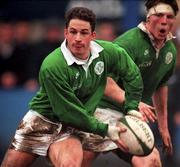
(70, 59)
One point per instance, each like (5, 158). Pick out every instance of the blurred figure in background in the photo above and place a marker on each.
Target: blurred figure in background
(21, 52)
(8, 78)
(106, 31)
(53, 36)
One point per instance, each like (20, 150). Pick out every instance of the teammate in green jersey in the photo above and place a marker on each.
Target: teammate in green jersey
(151, 48)
(72, 82)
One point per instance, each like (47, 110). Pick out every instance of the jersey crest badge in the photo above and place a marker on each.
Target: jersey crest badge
(99, 67)
(77, 75)
(168, 58)
(76, 84)
(146, 52)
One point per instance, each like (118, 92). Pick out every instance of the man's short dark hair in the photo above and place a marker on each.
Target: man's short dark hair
(150, 3)
(81, 13)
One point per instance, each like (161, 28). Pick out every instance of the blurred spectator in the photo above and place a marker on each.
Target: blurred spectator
(21, 51)
(106, 31)
(104, 9)
(8, 80)
(37, 31)
(7, 76)
(52, 39)
(22, 31)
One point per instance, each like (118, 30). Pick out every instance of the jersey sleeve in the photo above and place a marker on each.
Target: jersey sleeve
(131, 79)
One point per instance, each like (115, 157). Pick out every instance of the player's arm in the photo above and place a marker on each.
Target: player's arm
(160, 98)
(114, 92)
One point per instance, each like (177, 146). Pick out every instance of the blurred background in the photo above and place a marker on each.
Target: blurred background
(31, 29)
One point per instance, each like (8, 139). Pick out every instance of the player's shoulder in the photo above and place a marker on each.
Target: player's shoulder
(129, 36)
(103, 43)
(108, 46)
(55, 59)
(132, 31)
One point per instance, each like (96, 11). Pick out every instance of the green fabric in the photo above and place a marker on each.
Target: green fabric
(70, 95)
(155, 71)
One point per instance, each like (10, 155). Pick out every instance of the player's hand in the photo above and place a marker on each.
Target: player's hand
(114, 134)
(147, 112)
(167, 144)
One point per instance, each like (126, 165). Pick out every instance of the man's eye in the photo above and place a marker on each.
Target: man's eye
(167, 16)
(84, 33)
(170, 16)
(73, 32)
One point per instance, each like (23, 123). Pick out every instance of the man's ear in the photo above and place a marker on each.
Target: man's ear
(65, 32)
(93, 35)
(147, 19)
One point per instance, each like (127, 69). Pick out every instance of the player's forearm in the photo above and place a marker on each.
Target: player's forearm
(114, 92)
(160, 103)
(162, 120)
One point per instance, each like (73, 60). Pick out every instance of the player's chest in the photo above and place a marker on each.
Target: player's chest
(154, 59)
(86, 79)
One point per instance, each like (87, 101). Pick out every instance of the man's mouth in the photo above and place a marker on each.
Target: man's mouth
(78, 46)
(162, 31)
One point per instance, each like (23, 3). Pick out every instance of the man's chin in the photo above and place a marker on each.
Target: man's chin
(161, 37)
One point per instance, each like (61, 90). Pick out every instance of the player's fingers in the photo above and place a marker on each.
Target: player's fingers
(167, 147)
(151, 107)
(152, 114)
(148, 114)
(147, 111)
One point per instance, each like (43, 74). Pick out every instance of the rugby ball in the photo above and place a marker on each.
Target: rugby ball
(138, 136)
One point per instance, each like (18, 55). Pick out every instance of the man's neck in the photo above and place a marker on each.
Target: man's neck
(159, 43)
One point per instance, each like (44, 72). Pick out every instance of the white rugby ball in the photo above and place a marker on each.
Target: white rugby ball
(138, 137)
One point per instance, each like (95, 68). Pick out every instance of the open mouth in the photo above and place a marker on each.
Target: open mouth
(162, 31)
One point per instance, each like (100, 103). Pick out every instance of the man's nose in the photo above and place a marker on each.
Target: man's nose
(164, 19)
(78, 37)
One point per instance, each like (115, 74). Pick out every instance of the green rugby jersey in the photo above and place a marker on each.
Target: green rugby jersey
(69, 92)
(156, 66)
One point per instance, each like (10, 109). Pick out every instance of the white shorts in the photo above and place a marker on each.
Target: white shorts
(97, 143)
(35, 133)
